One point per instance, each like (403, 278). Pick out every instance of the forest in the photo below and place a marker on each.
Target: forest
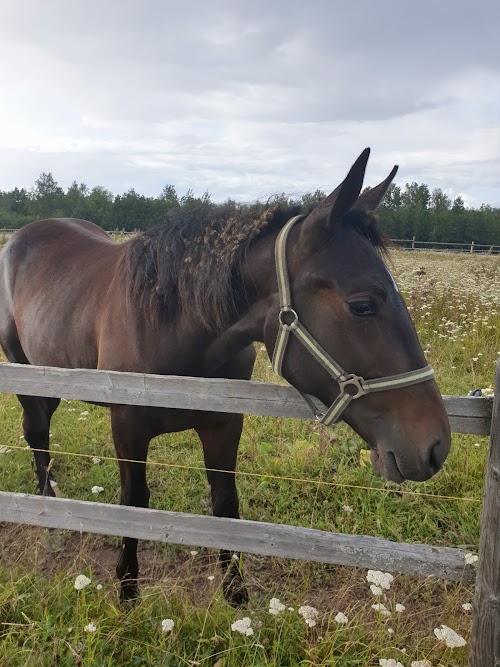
(410, 211)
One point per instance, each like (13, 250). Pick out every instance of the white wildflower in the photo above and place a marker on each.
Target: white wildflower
(389, 663)
(470, 559)
(376, 590)
(291, 608)
(347, 509)
(235, 557)
(467, 606)
(193, 553)
(97, 489)
(95, 460)
(276, 607)
(341, 618)
(243, 626)
(400, 608)
(421, 663)
(211, 577)
(81, 581)
(167, 625)
(381, 579)
(449, 637)
(84, 413)
(381, 608)
(99, 587)
(309, 614)
(91, 627)
(390, 631)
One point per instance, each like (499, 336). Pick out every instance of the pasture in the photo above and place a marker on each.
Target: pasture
(289, 472)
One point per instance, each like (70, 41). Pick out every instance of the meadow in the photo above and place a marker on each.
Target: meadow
(290, 471)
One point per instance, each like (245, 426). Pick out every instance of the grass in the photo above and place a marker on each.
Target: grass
(454, 302)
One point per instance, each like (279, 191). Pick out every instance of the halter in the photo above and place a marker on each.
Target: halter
(351, 386)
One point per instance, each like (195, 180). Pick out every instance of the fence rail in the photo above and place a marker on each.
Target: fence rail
(406, 244)
(266, 539)
(467, 415)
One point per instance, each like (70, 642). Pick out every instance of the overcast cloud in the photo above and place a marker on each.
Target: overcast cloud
(246, 99)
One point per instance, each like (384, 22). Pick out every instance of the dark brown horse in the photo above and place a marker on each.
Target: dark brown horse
(189, 298)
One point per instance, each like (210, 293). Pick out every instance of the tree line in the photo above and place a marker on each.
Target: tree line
(406, 212)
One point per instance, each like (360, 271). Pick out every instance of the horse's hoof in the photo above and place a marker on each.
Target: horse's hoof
(235, 593)
(129, 593)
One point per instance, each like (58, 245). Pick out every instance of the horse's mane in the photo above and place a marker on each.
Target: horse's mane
(192, 262)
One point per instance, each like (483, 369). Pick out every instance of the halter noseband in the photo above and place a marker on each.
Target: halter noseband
(289, 323)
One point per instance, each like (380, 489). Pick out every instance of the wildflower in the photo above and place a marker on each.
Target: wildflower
(421, 663)
(309, 614)
(167, 625)
(243, 626)
(235, 557)
(400, 608)
(276, 607)
(390, 631)
(381, 579)
(341, 618)
(81, 581)
(99, 587)
(470, 559)
(211, 577)
(91, 627)
(193, 553)
(84, 413)
(347, 509)
(389, 663)
(97, 489)
(95, 460)
(290, 608)
(376, 590)
(467, 606)
(381, 608)
(4, 450)
(449, 637)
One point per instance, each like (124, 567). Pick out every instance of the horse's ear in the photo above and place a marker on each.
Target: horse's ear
(370, 199)
(341, 200)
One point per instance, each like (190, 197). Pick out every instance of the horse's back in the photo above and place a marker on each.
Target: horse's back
(54, 277)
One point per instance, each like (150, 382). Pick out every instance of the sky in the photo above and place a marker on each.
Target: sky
(249, 99)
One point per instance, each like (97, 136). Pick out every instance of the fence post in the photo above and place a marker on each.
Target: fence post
(413, 244)
(485, 633)
(472, 246)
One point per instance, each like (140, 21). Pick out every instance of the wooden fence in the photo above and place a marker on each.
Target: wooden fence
(478, 416)
(406, 244)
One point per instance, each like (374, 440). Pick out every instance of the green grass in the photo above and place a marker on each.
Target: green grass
(453, 300)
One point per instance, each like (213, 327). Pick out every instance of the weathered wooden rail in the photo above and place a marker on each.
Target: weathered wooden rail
(467, 415)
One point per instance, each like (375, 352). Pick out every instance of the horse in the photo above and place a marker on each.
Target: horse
(191, 297)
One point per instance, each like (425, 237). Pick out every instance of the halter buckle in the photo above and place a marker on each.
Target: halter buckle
(290, 314)
(355, 381)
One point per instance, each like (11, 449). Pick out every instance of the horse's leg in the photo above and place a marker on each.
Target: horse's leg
(131, 442)
(220, 447)
(37, 413)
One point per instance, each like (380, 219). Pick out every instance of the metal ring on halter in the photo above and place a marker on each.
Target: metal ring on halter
(352, 381)
(288, 311)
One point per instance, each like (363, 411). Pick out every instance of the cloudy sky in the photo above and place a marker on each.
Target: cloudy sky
(249, 98)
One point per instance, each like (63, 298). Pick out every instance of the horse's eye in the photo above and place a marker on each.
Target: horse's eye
(362, 308)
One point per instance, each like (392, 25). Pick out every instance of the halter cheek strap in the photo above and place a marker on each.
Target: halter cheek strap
(351, 386)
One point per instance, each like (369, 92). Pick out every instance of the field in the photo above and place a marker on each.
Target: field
(289, 472)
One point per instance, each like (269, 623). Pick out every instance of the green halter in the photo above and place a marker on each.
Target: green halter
(289, 324)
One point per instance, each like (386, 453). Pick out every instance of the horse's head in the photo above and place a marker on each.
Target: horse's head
(346, 298)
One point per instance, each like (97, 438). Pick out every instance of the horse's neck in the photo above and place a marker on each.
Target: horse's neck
(259, 287)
